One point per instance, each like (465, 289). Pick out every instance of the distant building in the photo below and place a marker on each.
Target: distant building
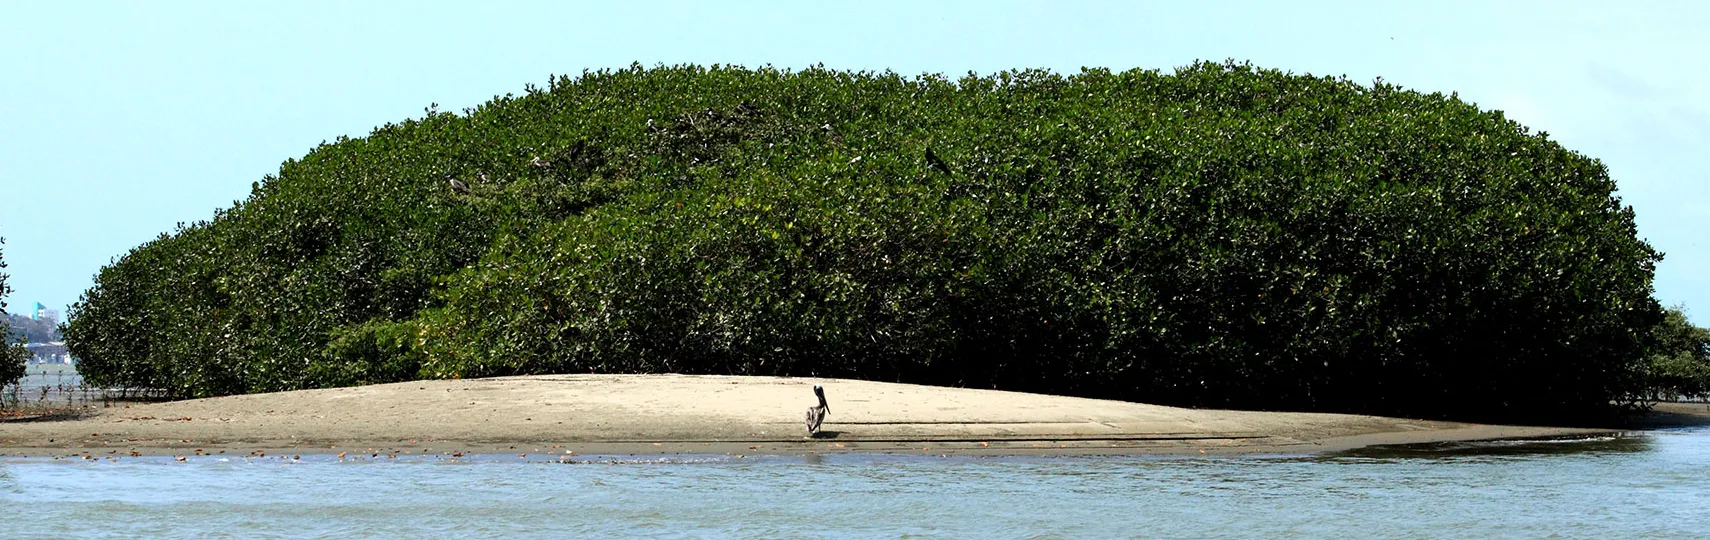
(53, 352)
(44, 313)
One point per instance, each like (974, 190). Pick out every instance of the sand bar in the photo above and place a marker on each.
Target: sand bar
(670, 414)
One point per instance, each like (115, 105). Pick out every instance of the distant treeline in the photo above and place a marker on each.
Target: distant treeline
(31, 330)
(1220, 236)
(1679, 362)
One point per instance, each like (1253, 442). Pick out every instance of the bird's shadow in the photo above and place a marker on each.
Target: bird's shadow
(825, 434)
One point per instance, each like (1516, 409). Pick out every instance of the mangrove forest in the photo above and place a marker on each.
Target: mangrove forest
(1217, 235)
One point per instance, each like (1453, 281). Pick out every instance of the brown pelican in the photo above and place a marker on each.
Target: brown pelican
(816, 414)
(456, 186)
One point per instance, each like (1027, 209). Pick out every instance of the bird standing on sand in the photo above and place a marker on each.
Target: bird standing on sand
(816, 414)
(456, 186)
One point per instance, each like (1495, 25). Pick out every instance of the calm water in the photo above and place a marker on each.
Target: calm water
(1651, 485)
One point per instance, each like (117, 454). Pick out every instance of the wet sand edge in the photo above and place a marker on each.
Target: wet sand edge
(640, 415)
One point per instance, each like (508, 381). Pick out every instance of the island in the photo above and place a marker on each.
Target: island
(670, 257)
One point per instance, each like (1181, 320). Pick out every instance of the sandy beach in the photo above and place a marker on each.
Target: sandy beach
(671, 414)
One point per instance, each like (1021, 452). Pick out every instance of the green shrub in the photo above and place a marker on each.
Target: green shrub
(12, 354)
(369, 353)
(1218, 236)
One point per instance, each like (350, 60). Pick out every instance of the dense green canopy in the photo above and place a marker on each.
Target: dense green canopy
(1217, 236)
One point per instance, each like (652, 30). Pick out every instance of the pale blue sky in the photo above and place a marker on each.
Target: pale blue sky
(118, 120)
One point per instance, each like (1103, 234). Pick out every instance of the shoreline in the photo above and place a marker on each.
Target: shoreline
(653, 415)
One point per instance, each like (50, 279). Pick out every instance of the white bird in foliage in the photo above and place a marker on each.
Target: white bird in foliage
(816, 414)
(456, 186)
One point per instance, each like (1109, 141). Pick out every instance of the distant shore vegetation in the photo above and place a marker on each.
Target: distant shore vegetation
(1219, 235)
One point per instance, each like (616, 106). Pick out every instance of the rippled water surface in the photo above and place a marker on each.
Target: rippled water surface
(1655, 484)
